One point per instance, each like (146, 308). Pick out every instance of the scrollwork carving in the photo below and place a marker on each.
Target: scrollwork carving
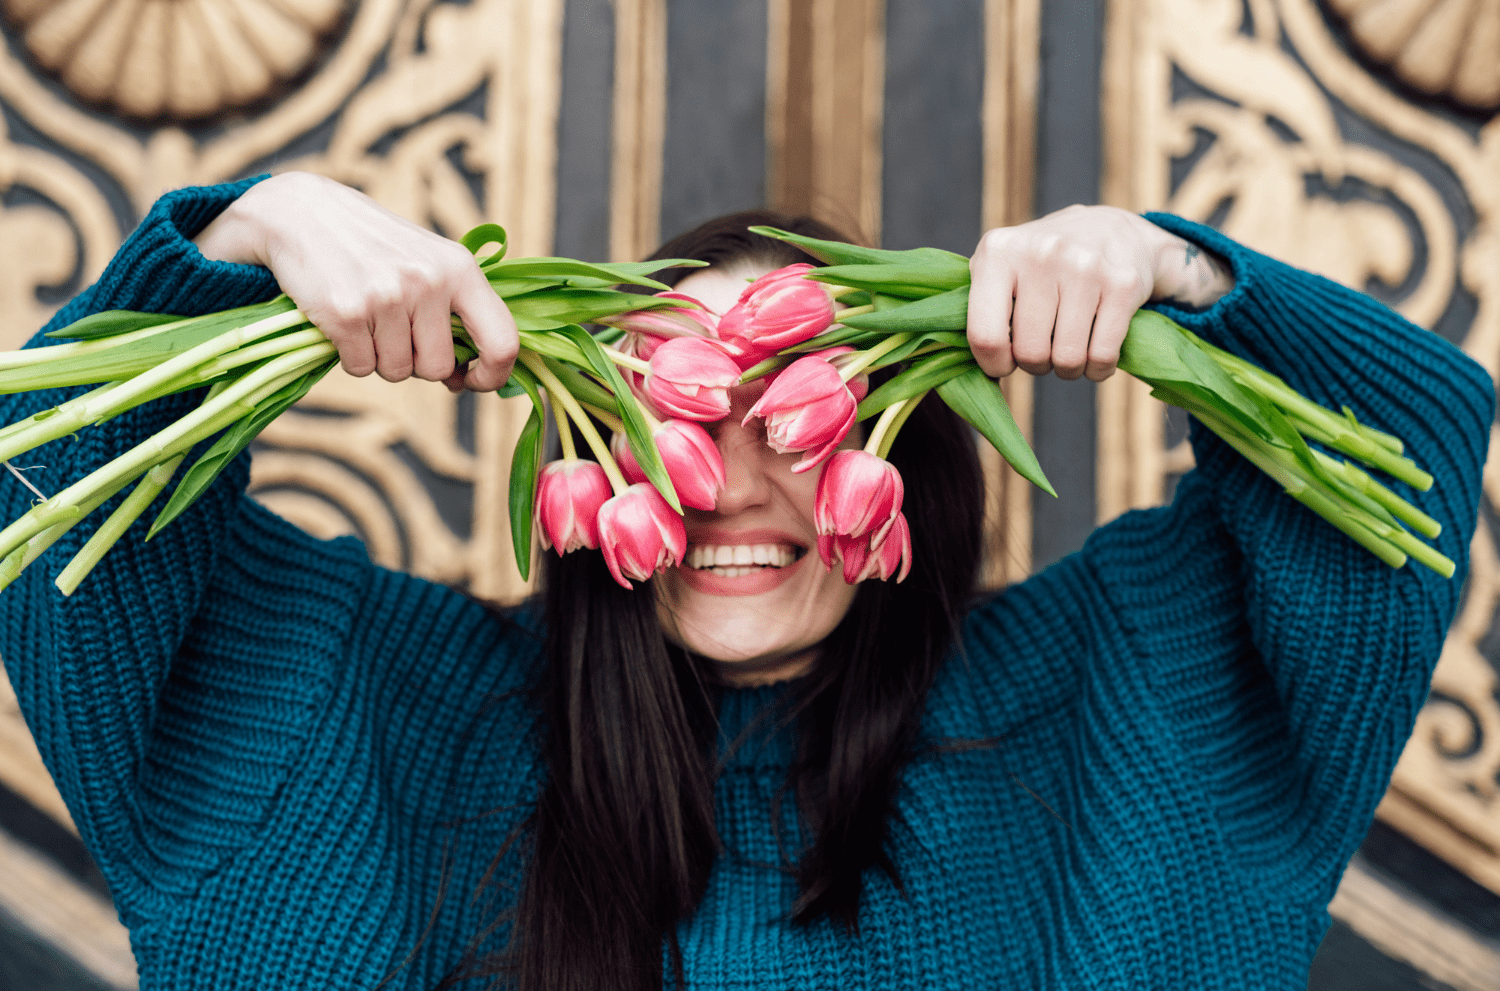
(1445, 48)
(1257, 119)
(185, 59)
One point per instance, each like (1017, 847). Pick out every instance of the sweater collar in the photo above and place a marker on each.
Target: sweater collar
(751, 730)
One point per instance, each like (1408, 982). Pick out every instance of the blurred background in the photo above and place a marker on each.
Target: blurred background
(1357, 138)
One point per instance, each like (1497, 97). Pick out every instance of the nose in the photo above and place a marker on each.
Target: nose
(746, 483)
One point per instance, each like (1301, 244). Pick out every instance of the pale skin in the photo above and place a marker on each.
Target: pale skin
(1052, 295)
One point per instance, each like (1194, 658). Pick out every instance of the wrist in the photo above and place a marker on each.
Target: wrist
(243, 232)
(1189, 274)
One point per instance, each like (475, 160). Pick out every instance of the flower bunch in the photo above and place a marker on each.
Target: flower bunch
(663, 367)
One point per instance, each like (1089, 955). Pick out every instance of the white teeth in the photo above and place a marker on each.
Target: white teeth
(740, 559)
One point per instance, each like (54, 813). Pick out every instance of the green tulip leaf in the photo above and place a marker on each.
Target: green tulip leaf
(111, 323)
(924, 374)
(559, 308)
(843, 253)
(944, 311)
(509, 288)
(976, 398)
(131, 357)
(482, 235)
(525, 464)
(637, 430)
(231, 442)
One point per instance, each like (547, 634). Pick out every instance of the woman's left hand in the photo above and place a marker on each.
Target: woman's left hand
(1057, 293)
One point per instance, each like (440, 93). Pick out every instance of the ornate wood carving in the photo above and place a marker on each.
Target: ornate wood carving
(1251, 115)
(185, 59)
(1442, 47)
(456, 125)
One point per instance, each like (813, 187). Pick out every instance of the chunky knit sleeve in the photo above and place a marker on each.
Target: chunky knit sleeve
(109, 679)
(1288, 661)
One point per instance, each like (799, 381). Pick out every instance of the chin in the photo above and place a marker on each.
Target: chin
(761, 635)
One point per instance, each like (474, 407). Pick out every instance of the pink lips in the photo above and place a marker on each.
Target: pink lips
(756, 582)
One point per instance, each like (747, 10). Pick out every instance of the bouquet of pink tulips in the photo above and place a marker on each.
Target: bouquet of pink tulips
(662, 368)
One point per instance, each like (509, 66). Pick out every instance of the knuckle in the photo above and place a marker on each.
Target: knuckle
(1118, 282)
(348, 312)
(420, 278)
(357, 365)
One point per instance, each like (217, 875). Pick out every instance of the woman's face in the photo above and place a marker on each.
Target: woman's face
(762, 620)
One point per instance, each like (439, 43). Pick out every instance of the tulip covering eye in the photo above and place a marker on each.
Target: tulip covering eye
(663, 362)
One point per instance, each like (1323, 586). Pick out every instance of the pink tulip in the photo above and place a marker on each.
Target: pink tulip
(640, 534)
(807, 408)
(865, 557)
(776, 311)
(859, 385)
(690, 378)
(694, 320)
(858, 495)
(691, 457)
(568, 497)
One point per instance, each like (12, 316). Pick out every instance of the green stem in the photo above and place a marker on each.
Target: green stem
(583, 388)
(114, 528)
(907, 409)
(1389, 543)
(1274, 389)
(764, 368)
(605, 417)
(205, 421)
(564, 433)
(864, 359)
(883, 426)
(22, 557)
(78, 349)
(1397, 506)
(22, 425)
(1335, 432)
(103, 404)
(252, 353)
(853, 311)
(558, 394)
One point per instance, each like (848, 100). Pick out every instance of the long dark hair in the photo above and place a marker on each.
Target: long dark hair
(623, 837)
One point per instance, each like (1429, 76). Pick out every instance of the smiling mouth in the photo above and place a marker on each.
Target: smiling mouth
(735, 560)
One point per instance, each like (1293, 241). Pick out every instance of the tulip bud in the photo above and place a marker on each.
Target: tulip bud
(568, 496)
(776, 311)
(694, 320)
(866, 557)
(858, 495)
(691, 458)
(806, 408)
(640, 534)
(645, 330)
(690, 378)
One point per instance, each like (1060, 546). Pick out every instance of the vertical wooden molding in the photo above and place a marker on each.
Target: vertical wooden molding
(1131, 424)
(825, 110)
(640, 123)
(523, 135)
(1012, 34)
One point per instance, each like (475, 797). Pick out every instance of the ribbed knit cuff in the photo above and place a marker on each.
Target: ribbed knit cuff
(160, 270)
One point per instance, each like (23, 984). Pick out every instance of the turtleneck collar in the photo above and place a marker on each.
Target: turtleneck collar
(753, 718)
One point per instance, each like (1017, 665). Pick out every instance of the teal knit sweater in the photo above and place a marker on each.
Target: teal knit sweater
(294, 767)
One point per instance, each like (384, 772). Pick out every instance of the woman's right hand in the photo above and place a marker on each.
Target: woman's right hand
(381, 287)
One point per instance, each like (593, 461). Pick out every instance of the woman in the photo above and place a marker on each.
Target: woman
(1144, 767)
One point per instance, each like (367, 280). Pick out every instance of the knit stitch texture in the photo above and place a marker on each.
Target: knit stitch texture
(294, 767)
